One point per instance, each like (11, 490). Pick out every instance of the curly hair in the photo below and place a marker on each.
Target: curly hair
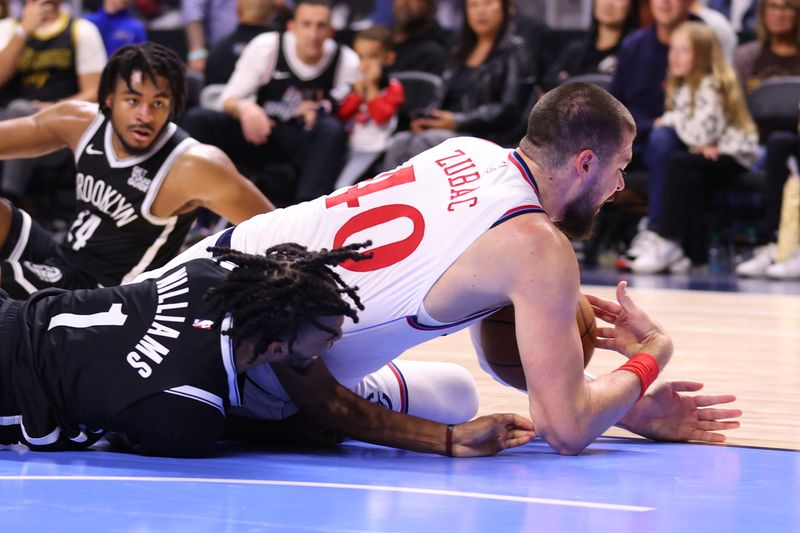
(151, 60)
(272, 297)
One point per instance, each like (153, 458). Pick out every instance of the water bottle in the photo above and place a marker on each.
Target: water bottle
(717, 255)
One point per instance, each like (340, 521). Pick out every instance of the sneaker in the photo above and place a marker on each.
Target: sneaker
(660, 256)
(757, 265)
(681, 266)
(789, 269)
(641, 243)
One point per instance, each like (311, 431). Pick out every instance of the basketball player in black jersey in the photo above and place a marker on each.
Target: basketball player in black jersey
(158, 360)
(140, 179)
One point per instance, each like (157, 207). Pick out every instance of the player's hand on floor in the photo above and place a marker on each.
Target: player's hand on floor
(489, 434)
(665, 413)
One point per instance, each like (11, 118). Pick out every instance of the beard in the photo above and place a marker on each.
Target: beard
(578, 221)
(580, 216)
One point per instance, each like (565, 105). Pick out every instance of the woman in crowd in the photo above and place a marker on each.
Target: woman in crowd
(486, 86)
(776, 52)
(597, 53)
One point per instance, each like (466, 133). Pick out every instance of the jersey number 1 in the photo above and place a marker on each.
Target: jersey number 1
(113, 317)
(388, 254)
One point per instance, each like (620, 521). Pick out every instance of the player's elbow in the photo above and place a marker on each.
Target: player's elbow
(566, 438)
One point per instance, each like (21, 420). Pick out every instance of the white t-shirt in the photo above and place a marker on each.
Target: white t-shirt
(90, 52)
(259, 58)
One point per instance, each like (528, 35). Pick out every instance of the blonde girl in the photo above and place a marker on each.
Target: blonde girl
(714, 142)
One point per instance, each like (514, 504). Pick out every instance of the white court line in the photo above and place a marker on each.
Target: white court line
(381, 488)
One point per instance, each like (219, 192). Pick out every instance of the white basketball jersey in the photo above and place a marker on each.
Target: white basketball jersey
(420, 218)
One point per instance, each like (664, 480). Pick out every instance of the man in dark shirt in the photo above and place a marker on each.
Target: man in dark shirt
(419, 41)
(642, 66)
(255, 17)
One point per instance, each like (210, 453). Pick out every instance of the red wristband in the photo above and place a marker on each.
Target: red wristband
(645, 367)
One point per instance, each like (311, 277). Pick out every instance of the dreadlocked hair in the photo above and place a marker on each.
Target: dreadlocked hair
(151, 60)
(272, 297)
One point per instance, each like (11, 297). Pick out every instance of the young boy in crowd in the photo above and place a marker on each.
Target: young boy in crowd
(370, 109)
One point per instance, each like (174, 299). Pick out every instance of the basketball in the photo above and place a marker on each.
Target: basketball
(499, 342)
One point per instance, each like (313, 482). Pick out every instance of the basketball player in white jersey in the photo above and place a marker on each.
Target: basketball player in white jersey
(140, 180)
(462, 230)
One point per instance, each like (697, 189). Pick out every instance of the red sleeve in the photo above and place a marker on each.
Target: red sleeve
(349, 106)
(384, 106)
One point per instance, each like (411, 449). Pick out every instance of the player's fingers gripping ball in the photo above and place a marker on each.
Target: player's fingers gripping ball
(498, 342)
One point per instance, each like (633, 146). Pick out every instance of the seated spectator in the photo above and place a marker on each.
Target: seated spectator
(707, 115)
(117, 25)
(419, 42)
(776, 52)
(612, 20)
(46, 56)
(370, 109)
(486, 86)
(276, 105)
(255, 18)
(541, 43)
(207, 22)
(641, 68)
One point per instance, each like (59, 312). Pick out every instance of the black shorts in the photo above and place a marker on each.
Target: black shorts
(32, 260)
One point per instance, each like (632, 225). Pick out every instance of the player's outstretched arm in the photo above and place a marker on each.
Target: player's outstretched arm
(665, 412)
(58, 126)
(331, 407)
(543, 285)
(206, 175)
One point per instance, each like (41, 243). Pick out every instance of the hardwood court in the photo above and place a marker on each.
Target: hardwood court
(745, 344)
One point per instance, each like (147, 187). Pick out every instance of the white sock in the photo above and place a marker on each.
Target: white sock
(443, 392)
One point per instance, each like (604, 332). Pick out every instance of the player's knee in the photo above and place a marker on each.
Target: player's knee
(444, 392)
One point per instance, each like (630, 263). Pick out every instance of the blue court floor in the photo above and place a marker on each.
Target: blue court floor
(616, 485)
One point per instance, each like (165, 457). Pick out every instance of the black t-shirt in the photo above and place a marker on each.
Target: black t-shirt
(223, 57)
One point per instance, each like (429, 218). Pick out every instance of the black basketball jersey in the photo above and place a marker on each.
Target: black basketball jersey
(281, 94)
(114, 235)
(83, 357)
(45, 69)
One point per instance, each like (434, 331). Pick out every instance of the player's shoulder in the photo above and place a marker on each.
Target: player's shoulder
(200, 161)
(533, 237)
(473, 148)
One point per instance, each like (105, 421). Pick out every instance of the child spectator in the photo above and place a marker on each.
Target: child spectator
(370, 109)
(705, 109)
(117, 25)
